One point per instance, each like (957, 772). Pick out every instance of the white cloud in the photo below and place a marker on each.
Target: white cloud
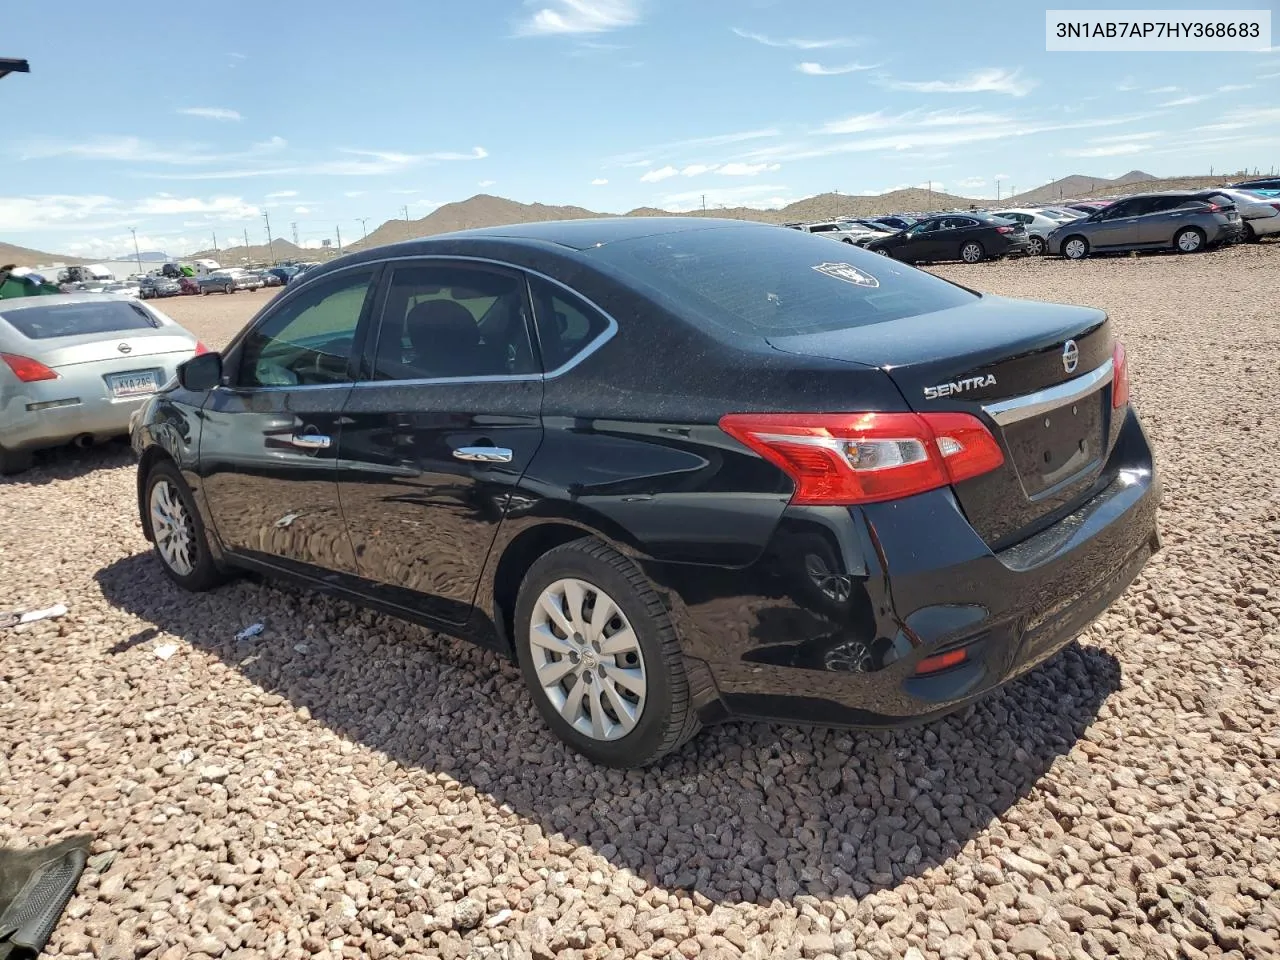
(487, 183)
(301, 209)
(599, 182)
(54, 210)
(282, 193)
(1169, 89)
(797, 44)
(1185, 101)
(362, 163)
(1232, 87)
(1108, 150)
(818, 70)
(102, 247)
(972, 183)
(988, 80)
(644, 158)
(219, 208)
(1268, 76)
(580, 16)
(134, 149)
(747, 169)
(1002, 176)
(1128, 137)
(211, 113)
(662, 173)
(696, 169)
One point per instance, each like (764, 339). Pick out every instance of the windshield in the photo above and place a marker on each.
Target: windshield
(77, 319)
(769, 282)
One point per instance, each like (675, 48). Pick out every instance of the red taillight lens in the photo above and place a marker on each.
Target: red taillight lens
(941, 661)
(1119, 377)
(26, 369)
(1004, 229)
(1276, 205)
(201, 348)
(848, 458)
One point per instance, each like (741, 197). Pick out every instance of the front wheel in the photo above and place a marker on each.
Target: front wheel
(1075, 248)
(1035, 247)
(181, 543)
(204, 291)
(228, 289)
(601, 658)
(972, 252)
(1188, 240)
(884, 253)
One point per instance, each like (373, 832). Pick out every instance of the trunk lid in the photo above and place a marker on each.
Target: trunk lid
(134, 344)
(1007, 362)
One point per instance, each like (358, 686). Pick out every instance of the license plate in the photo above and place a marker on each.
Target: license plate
(1050, 449)
(133, 384)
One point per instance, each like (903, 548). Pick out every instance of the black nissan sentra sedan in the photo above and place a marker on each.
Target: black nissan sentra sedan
(681, 470)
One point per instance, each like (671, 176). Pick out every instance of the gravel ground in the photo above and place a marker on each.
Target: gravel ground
(348, 785)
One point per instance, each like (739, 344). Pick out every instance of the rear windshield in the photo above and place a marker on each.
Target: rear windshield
(78, 319)
(774, 282)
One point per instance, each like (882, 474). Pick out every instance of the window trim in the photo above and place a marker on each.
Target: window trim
(592, 346)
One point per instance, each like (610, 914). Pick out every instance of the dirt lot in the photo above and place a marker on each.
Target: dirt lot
(348, 785)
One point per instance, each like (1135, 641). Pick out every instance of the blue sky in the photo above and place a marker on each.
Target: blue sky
(181, 124)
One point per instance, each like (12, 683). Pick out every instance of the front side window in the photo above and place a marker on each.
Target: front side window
(454, 321)
(308, 340)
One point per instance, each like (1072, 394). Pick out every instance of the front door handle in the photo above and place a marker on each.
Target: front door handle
(483, 454)
(310, 441)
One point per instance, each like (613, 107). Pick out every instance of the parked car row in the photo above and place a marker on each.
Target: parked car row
(1185, 221)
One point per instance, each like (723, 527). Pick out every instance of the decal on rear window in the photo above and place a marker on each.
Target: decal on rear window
(848, 273)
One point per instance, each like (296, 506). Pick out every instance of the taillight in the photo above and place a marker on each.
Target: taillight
(848, 458)
(201, 348)
(1004, 229)
(1119, 377)
(941, 661)
(26, 369)
(1276, 205)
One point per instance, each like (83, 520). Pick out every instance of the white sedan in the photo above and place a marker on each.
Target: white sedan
(1039, 225)
(1259, 212)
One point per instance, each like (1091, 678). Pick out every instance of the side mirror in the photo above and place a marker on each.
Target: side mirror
(201, 373)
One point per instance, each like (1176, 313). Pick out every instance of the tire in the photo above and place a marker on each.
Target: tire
(580, 573)
(204, 291)
(1035, 246)
(972, 252)
(885, 253)
(14, 462)
(1249, 236)
(1075, 247)
(229, 288)
(171, 511)
(1189, 240)
(846, 240)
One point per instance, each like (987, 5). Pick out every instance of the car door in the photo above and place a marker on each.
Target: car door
(438, 431)
(951, 234)
(918, 243)
(269, 444)
(1119, 225)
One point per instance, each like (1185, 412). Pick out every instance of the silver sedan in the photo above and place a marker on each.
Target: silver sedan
(74, 367)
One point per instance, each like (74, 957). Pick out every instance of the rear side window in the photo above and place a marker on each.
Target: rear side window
(771, 282)
(79, 319)
(567, 325)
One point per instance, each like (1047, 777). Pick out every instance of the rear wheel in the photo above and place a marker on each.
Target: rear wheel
(972, 252)
(204, 291)
(600, 656)
(1035, 247)
(181, 543)
(1188, 240)
(229, 289)
(884, 253)
(1075, 248)
(14, 461)
(1250, 236)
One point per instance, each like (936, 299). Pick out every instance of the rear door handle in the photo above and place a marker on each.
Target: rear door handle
(310, 441)
(483, 454)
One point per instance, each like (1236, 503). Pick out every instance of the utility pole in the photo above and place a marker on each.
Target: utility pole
(930, 193)
(246, 241)
(364, 230)
(135, 248)
(837, 195)
(295, 232)
(405, 208)
(704, 203)
(997, 190)
(271, 249)
(338, 230)
(215, 243)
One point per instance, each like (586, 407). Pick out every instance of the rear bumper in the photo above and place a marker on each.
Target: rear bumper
(916, 581)
(84, 405)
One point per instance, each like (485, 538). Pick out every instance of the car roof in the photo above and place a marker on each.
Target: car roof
(584, 234)
(19, 303)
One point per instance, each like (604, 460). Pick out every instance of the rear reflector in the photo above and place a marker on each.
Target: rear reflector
(26, 369)
(1120, 377)
(850, 458)
(941, 661)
